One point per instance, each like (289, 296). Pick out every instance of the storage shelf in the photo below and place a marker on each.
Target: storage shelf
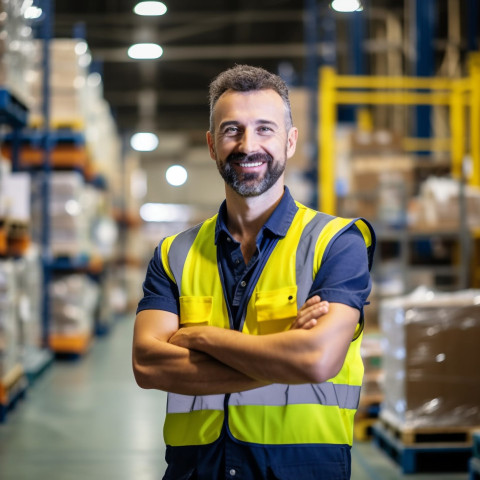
(12, 111)
(77, 344)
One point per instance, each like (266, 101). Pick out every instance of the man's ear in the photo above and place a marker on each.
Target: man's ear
(292, 138)
(211, 146)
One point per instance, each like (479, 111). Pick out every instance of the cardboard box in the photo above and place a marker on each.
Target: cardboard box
(431, 359)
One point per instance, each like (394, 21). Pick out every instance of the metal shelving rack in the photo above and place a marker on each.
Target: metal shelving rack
(462, 96)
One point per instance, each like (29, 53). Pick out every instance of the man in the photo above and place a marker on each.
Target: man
(232, 323)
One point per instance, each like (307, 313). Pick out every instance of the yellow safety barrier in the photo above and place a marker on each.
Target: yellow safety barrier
(457, 94)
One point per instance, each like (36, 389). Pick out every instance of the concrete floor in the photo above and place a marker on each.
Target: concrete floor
(87, 419)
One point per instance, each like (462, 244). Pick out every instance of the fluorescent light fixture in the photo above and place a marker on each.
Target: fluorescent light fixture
(165, 212)
(81, 48)
(145, 51)
(346, 5)
(150, 8)
(144, 141)
(176, 175)
(32, 13)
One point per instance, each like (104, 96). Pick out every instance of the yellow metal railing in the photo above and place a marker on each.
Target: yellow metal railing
(457, 94)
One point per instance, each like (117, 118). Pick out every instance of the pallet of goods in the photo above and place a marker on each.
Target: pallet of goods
(432, 404)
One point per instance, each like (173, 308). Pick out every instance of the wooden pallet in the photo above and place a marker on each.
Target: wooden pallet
(13, 387)
(408, 435)
(70, 345)
(437, 457)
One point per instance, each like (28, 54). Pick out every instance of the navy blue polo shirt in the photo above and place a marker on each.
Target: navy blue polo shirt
(343, 278)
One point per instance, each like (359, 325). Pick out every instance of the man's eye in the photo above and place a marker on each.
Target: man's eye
(231, 130)
(264, 129)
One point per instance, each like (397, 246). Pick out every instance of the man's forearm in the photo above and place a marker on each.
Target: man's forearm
(296, 356)
(178, 370)
(261, 357)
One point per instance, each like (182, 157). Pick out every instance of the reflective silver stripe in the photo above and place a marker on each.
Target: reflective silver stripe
(179, 250)
(305, 254)
(177, 403)
(327, 393)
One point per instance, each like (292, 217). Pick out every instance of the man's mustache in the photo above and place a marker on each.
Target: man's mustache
(251, 157)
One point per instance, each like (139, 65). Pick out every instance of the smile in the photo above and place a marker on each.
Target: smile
(250, 164)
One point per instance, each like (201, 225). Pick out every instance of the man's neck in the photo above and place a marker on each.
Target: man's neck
(247, 215)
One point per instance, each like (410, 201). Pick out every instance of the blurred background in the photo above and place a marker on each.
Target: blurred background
(103, 115)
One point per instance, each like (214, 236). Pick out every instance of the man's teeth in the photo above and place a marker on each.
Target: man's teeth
(250, 164)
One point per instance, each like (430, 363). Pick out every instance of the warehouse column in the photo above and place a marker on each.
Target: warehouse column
(473, 22)
(423, 19)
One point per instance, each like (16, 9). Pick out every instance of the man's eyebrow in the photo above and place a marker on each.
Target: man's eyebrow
(266, 122)
(226, 123)
(260, 121)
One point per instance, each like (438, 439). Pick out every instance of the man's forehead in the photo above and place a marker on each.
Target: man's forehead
(266, 100)
(262, 92)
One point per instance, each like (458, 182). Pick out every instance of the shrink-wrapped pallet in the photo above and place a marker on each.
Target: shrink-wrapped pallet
(431, 358)
(9, 334)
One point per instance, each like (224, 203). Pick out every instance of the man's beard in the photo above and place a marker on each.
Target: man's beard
(249, 184)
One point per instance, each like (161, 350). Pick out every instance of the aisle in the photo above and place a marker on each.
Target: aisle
(88, 420)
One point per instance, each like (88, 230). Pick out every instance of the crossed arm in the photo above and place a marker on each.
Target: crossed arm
(211, 360)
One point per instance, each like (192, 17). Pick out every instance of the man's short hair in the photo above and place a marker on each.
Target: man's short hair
(245, 78)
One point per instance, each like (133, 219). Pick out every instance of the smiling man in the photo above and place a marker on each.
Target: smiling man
(252, 320)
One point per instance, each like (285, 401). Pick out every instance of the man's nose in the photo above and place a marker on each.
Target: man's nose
(248, 142)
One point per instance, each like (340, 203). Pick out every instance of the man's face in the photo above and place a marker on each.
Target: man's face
(251, 144)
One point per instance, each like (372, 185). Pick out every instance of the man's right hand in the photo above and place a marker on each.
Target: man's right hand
(310, 312)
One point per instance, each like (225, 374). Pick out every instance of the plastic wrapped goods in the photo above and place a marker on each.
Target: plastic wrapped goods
(431, 358)
(9, 335)
(74, 300)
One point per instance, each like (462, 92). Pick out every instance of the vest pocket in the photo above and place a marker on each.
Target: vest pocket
(276, 309)
(195, 310)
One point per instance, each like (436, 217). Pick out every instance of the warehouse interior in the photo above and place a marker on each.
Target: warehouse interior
(103, 153)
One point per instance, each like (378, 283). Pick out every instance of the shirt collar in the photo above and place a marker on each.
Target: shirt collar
(278, 223)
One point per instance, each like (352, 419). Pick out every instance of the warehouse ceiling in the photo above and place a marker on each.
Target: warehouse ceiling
(199, 40)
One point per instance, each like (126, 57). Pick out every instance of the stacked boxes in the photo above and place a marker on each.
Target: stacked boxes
(16, 48)
(29, 276)
(69, 59)
(74, 300)
(9, 332)
(431, 359)
(70, 209)
(438, 205)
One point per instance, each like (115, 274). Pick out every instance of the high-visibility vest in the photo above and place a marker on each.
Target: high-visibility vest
(279, 413)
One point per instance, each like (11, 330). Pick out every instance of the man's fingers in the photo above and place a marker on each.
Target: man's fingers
(310, 302)
(307, 318)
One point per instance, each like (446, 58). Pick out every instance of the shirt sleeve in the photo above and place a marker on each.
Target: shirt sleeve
(159, 291)
(344, 275)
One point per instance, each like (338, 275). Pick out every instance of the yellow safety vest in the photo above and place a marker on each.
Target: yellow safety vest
(276, 414)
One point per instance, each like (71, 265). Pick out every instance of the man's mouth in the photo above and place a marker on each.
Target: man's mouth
(250, 164)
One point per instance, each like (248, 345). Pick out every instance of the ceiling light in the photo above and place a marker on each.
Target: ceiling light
(144, 142)
(165, 212)
(32, 13)
(145, 51)
(176, 175)
(346, 5)
(150, 8)
(81, 48)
